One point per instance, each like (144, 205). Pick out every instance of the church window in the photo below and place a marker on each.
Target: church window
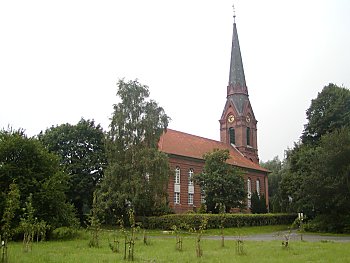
(258, 187)
(249, 190)
(202, 198)
(248, 136)
(232, 135)
(177, 198)
(190, 199)
(177, 175)
(190, 177)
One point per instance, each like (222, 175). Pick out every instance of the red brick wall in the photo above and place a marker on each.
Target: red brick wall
(197, 165)
(185, 165)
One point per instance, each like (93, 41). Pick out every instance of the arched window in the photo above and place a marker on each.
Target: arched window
(232, 135)
(190, 177)
(177, 175)
(249, 190)
(258, 187)
(248, 136)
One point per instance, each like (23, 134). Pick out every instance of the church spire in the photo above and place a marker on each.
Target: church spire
(238, 126)
(236, 82)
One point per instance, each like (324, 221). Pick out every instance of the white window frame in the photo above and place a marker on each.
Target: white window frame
(177, 175)
(249, 188)
(258, 187)
(202, 198)
(190, 199)
(190, 177)
(176, 198)
(249, 203)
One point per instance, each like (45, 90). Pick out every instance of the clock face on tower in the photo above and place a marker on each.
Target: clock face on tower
(231, 118)
(247, 119)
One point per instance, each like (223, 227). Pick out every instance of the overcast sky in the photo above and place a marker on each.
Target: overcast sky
(61, 60)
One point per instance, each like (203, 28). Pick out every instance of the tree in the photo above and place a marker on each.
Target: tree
(137, 173)
(81, 148)
(317, 180)
(223, 184)
(328, 112)
(278, 171)
(7, 225)
(26, 162)
(258, 204)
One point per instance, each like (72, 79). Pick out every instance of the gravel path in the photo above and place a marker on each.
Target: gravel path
(281, 236)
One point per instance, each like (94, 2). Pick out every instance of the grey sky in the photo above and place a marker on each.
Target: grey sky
(60, 60)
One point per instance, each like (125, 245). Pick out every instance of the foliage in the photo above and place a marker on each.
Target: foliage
(130, 237)
(326, 169)
(137, 173)
(278, 169)
(27, 224)
(65, 233)
(94, 224)
(166, 222)
(11, 205)
(258, 204)
(37, 172)
(81, 149)
(179, 232)
(327, 113)
(317, 180)
(222, 183)
(199, 232)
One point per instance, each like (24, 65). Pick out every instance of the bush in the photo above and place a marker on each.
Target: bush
(329, 223)
(214, 220)
(64, 233)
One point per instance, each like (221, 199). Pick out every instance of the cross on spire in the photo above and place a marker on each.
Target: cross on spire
(234, 13)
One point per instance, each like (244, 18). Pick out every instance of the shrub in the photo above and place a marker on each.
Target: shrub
(64, 233)
(215, 220)
(329, 223)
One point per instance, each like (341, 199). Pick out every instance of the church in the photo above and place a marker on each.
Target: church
(238, 134)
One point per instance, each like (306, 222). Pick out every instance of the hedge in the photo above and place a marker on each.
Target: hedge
(166, 222)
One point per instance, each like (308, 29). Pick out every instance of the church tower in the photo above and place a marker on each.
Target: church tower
(238, 123)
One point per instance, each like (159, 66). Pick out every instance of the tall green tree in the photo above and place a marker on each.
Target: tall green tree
(317, 181)
(11, 206)
(258, 204)
(222, 183)
(278, 170)
(35, 171)
(328, 112)
(81, 148)
(137, 172)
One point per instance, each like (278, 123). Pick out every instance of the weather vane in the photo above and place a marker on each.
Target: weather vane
(234, 13)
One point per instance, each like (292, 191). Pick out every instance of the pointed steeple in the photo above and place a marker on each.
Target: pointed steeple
(238, 126)
(236, 77)
(237, 90)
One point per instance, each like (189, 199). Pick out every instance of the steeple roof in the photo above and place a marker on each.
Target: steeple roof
(236, 78)
(237, 92)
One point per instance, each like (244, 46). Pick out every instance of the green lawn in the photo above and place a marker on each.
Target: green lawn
(162, 249)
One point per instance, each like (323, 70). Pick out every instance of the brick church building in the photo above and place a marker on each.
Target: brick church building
(238, 134)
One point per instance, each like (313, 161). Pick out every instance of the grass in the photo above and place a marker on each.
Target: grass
(162, 249)
(244, 231)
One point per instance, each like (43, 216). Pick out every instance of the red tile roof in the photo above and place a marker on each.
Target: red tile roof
(184, 144)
